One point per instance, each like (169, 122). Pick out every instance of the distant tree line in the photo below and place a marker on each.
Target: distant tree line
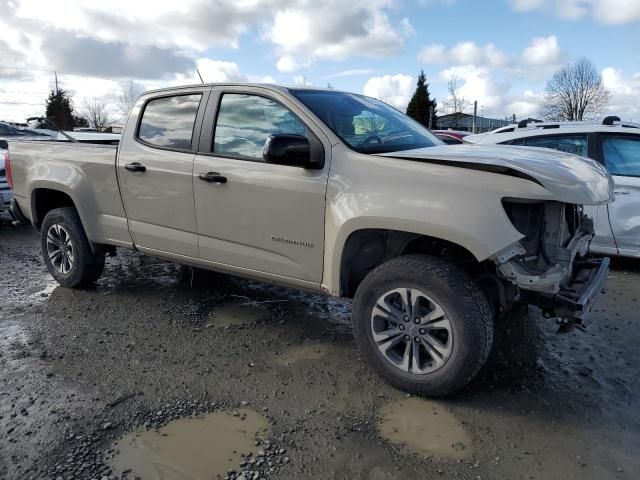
(93, 112)
(575, 92)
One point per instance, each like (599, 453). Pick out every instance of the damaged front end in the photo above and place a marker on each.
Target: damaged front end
(550, 266)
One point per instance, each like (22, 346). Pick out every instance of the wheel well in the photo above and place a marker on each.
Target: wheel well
(368, 248)
(46, 200)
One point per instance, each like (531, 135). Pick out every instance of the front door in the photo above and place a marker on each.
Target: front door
(155, 168)
(621, 154)
(254, 215)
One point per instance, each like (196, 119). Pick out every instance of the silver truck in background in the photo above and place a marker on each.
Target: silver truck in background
(336, 193)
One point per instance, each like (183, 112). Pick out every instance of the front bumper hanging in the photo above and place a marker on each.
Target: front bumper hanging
(575, 301)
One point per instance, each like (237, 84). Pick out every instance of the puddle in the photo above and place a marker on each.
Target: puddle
(192, 448)
(296, 354)
(237, 314)
(424, 427)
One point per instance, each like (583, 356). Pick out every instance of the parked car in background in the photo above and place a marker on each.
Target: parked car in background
(614, 144)
(8, 133)
(451, 137)
(41, 125)
(337, 193)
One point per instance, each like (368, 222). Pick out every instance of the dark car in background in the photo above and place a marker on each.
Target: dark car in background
(451, 137)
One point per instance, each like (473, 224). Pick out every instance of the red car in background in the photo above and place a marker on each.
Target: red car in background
(451, 137)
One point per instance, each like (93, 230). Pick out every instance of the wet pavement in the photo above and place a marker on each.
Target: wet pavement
(160, 368)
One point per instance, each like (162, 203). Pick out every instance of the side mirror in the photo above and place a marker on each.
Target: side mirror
(288, 149)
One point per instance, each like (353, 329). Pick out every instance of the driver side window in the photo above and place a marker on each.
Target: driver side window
(246, 121)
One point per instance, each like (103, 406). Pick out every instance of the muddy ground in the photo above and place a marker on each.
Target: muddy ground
(280, 374)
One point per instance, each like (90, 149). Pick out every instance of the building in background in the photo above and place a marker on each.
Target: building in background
(464, 122)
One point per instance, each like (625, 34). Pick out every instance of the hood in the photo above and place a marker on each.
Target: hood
(572, 179)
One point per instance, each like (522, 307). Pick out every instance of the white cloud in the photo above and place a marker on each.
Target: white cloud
(287, 64)
(335, 30)
(463, 53)
(526, 5)
(434, 53)
(406, 28)
(478, 84)
(354, 72)
(624, 93)
(543, 51)
(612, 12)
(220, 71)
(396, 90)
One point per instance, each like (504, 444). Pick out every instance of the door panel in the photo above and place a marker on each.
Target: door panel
(621, 155)
(155, 171)
(603, 240)
(625, 214)
(266, 217)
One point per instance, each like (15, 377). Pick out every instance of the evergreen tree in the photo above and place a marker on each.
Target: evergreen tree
(59, 110)
(421, 103)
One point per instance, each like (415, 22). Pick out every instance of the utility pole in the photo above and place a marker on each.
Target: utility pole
(431, 118)
(55, 73)
(475, 114)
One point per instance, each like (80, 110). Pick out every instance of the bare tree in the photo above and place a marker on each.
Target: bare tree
(128, 98)
(97, 112)
(369, 123)
(455, 104)
(575, 92)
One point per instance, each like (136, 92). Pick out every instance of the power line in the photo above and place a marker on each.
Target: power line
(21, 103)
(12, 67)
(23, 93)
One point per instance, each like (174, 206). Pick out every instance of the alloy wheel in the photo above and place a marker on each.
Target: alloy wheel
(412, 331)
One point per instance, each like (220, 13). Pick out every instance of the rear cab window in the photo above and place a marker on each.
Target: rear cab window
(168, 122)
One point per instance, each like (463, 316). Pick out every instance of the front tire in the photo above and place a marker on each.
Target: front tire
(66, 250)
(422, 324)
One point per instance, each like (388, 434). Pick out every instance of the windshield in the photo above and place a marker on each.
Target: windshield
(365, 124)
(10, 131)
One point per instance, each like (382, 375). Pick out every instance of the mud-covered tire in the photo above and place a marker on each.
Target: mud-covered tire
(463, 303)
(86, 266)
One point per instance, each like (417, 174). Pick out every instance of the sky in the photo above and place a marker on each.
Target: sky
(501, 52)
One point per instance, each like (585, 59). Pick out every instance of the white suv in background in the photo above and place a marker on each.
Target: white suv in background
(614, 144)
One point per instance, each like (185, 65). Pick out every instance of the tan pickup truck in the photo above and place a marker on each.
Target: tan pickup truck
(332, 192)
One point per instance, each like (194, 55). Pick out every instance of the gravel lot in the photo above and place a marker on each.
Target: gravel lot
(90, 378)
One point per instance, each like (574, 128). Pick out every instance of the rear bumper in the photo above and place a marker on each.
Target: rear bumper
(574, 301)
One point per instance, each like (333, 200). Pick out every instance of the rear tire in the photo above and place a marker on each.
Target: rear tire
(450, 323)
(66, 250)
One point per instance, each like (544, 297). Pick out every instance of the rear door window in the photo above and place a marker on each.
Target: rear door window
(576, 144)
(168, 122)
(622, 155)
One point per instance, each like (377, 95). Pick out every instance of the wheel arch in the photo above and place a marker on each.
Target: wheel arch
(45, 199)
(366, 248)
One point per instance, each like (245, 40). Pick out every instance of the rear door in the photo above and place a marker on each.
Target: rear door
(260, 217)
(581, 144)
(155, 166)
(621, 156)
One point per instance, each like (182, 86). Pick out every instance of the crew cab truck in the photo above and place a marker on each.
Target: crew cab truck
(332, 192)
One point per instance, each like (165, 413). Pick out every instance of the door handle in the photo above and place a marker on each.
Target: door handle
(213, 177)
(622, 192)
(135, 167)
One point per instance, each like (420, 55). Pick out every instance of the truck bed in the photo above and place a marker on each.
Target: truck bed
(83, 171)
